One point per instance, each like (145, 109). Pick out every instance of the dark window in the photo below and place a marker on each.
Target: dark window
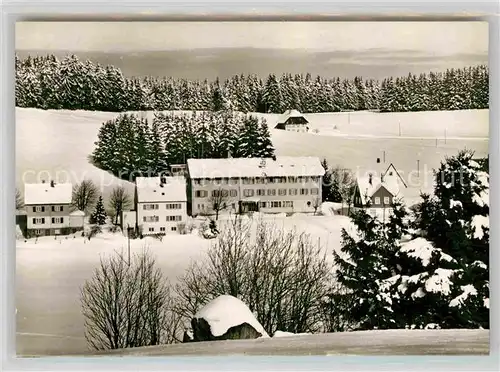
(34, 221)
(43, 209)
(62, 220)
(53, 220)
(43, 220)
(34, 209)
(53, 209)
(61, 208)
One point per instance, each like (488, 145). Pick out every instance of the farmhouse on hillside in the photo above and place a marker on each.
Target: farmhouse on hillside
(376, 194)
(293, 121)
(160, 204)
(283, 184)
(48, 209)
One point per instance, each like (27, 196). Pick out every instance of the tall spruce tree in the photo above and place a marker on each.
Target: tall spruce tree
(99, 215)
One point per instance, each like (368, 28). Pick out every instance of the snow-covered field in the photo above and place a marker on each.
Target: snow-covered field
(56, 144)
(388, 342)
(50, 273)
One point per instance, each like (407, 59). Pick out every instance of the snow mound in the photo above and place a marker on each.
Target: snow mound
(227, 311)
(329, 208)
(279, 334)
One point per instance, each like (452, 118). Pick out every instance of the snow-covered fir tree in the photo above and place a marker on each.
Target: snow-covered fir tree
(99, 215)
(443, 278)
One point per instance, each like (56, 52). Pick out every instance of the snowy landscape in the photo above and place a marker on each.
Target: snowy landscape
(380, 246)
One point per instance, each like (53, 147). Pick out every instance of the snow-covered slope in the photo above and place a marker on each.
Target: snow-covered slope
(390, 342)
(56, 144)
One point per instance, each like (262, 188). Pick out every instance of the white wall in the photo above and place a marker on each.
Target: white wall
(162, 213)
(238, 188)
(48, 214)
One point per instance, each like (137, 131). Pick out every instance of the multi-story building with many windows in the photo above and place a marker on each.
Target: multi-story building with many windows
(283, 184)
(160, 204)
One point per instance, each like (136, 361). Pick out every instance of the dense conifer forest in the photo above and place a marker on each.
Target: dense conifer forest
(49, 83)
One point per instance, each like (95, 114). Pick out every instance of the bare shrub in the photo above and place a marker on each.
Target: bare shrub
(279, 274)
(128, 305)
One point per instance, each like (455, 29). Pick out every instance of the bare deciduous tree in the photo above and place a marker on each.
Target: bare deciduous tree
(19, 200)
(85, 195)
(128, 305)
(218, 201)
(345, 184)
(119, 200)
(281, 275)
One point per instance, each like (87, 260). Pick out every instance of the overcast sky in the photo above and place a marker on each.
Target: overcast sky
(435, 38)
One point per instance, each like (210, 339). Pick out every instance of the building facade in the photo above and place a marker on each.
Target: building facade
(48, 209)
(160, 204)
(284, 184)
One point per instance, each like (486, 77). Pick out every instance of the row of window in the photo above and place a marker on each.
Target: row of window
(41, 220)
(55, 208)
(276, 204)
(162, 229)
(258, 192)
(255, 180)
(157, 218)
(149, 207)
(376, 200)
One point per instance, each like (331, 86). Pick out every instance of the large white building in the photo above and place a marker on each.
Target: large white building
(283, 184)
(160, 204)
(48, 209)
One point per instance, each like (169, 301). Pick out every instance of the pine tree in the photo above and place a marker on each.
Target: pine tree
(99, 216)
(265, 148)
(367, 258)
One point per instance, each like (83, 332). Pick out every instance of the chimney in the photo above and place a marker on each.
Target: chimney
(370, 179)
(163, 181)
(52, 183)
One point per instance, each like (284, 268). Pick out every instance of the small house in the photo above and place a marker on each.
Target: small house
(160, 204)
(376, 193)
(48, 206)
(293, 121)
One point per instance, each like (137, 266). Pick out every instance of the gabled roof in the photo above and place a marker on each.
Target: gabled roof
(150, 189)
(392, 169)
(290, 114)
(367, 190)
(46, 193)
(283, 166)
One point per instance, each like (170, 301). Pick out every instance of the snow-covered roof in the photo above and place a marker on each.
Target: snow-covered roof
(47, 193)
(290, 114)
(150, 189)
(283, 166)
(367, 189)
(77, 213)
(227, 311)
